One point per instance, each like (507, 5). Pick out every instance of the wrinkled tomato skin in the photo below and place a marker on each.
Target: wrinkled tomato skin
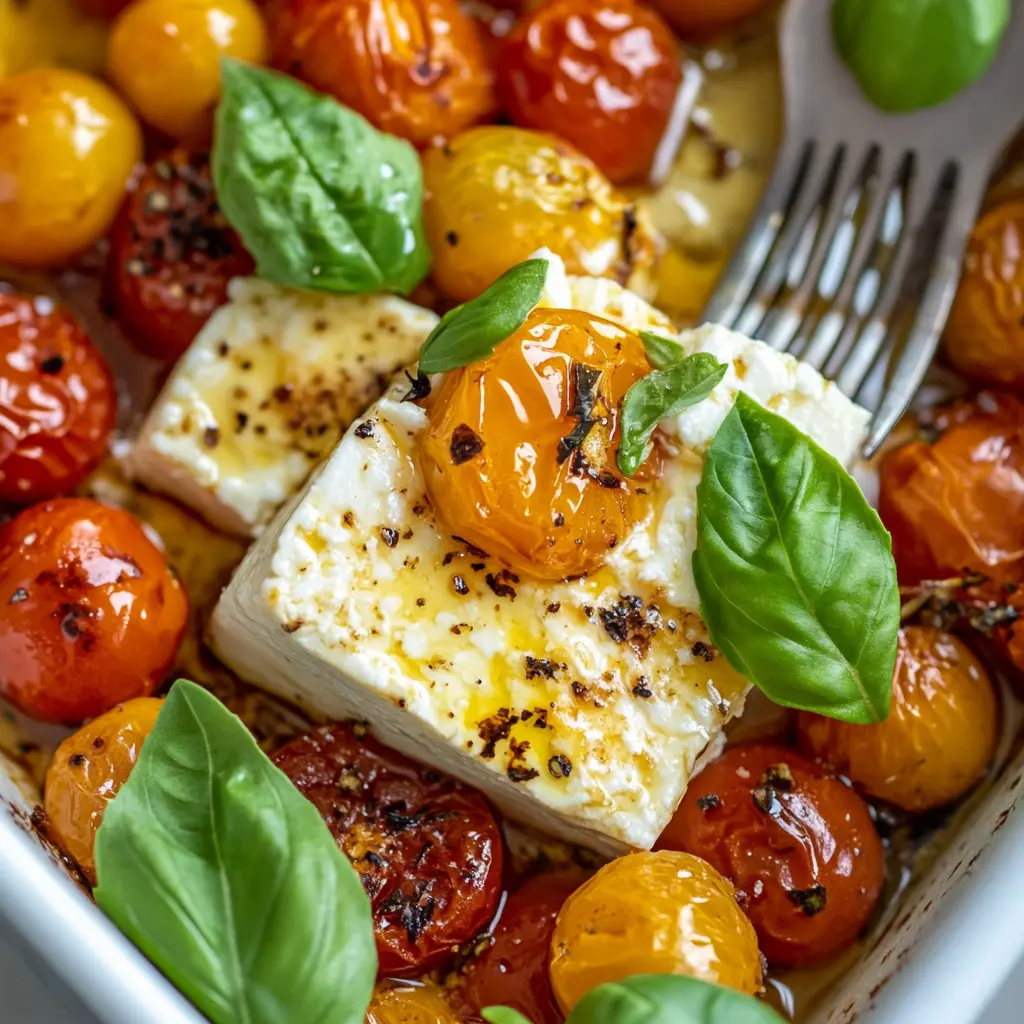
(90, 613)
(57, 400)
(418, 69)
(513, 970)
(602, 74)
(428, 850)
(172, 254)
(818, 833)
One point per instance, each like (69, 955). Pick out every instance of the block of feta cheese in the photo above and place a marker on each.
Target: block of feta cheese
(265, 392)
(580, 707)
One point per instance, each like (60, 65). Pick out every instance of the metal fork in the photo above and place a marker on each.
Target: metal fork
(853, 257)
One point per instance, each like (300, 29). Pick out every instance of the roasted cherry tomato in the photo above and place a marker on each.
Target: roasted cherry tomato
(414, 68)
(402, 1003)
(427, 849)
(57, 400)
(702, 17)
(985, 332)
(67, 148)
(940, 735)
(512, 970)
(90, 613)
(172, 254)
(87, 770)
(537, 191)
(165, 55)
(106, 9)
(652, 913)
(800, 845)
(602, 74)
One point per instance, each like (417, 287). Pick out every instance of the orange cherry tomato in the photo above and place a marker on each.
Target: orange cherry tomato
(106, 9)
(800, 845)
(172, 254)
(57, 400)
(519, 453)
(90, 613)
(602, 74)
(396, 1002)
(414, 68)
(87, 770)
(702, 17)
(940, 735)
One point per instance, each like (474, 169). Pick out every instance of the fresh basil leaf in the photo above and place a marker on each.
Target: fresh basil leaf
(471, 332)
(660, 394)
(661, 352)
(321, 199)
(917, 53)
(503, 1015)
(224, 875)
(794, 569)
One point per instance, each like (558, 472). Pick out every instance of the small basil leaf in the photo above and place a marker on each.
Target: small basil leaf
(669, 999)
(225, 876)
(321, 199)
(471, 332)
(917, 53)
(660, 394)
(661, 352)
(503, 1015)
(794, 569)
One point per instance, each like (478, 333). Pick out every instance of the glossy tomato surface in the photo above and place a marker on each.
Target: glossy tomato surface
(57, 400)
(602, 74)
(414, 68)
(90, 613)
(800, 846)
(705, 17)
(172, 254)
(428, 850)
(395, 1002)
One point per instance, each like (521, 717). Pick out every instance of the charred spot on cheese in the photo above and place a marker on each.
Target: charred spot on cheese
(708, 802)
(364, 429)
(629, 622)
(466, 444)
(541, 668)
(389, 536)
(811, 901)
(559, 766)
(585, 381)
(495, 729)
(517, 769)
(699, 649)
(642, 689)
(501, 583)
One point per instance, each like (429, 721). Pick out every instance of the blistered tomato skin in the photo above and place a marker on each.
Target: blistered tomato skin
(87, 770)
(418, 69)
(428, 850)
(939, 738)
(985, 332)
(704, 17)
(800, 845)
(652, 913)
(57, 400)
(602, 74)
(172, 254)
(164, 56)
(398, 1003)
(90, 613)
(496, 194)
(67, 148)
(498, 456)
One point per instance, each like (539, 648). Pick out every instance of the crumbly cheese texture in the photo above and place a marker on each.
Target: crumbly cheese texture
(265, 392)
(580, 707)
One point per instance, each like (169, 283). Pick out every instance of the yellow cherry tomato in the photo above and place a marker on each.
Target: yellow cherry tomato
(164, 55)
(652, 913)
(67, 149)
(405, 1003)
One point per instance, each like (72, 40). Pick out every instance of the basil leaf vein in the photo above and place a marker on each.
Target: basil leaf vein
(321, 199)
(794, 569)
(224, 875)
(660, 394)
(661, 352)
(472, 331)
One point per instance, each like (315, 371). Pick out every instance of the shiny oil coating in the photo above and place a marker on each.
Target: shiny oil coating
(652, 913)
(703, 17)
(398, 1003)
(88, 769)
(495, 459)
(940, 735)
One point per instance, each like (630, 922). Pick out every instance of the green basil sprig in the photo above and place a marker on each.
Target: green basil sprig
(321, 199)
(794, 569)
(657, 999)
(917, 53)
(472, 331)
(661, 352)
(225, 876)
(660, 394)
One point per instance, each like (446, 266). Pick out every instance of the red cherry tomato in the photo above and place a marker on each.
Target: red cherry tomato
(602, 74)
(171, 256)
(57, 400)
(90, 613)
(428, 850)
(513, 970)
(799, 844)
(106, 9)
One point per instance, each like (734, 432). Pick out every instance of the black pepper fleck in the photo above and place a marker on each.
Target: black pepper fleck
(559, 766)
